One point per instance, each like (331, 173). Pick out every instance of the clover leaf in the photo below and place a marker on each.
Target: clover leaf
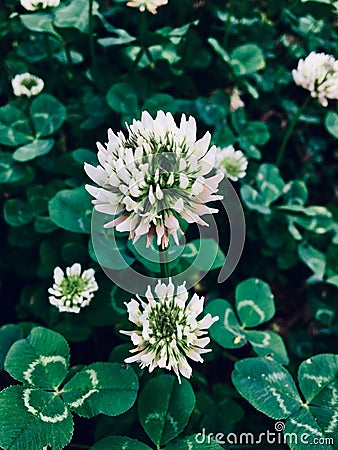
(38, 412)
(46, 115)
(254, 306)
(269, 387)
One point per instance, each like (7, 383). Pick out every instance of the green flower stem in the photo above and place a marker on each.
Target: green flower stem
(290, 130)
(150, 57)
(137, 59)
(68, 54)
(165, 270)
(91, 36)
(142, 31)
(227, 31)
(48, 49)
(143, 25)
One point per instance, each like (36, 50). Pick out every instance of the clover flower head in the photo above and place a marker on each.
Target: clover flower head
(149, 5)
(72, 291)
(154, 175)
(27, 84)
(33, 5)
(231, 162)
(235, 100)
(168, 330)
(318, 73)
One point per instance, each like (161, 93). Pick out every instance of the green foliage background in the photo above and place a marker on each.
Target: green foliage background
(103, 63)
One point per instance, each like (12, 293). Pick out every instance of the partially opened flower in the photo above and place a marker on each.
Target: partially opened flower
(154, 175)
(149, 5)
(27, 84)
(235, 100)
(33, 5)
(168, 330)
(232, 162)
(318, 73)
(72, 291)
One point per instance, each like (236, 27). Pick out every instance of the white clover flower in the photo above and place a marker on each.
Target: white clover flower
(53, 3)
(235, 100)
(154, 175)
(318, 73)
(27, 84)
(33, 5)
(232, 162)
(72, 291)
(168, 331)
(150, 5)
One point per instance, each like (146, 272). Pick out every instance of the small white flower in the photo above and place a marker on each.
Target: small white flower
(72, 291)
(150, 5)
(33, 5)
(27, 84)
(154, 175)
(168, 331)
(318, 73)
(235, 100)
(232, 162)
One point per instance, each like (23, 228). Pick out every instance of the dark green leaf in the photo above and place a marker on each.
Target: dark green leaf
(247, 59)
(71, 209)
(14, 127)
(118, 443)
(8, 335)
(17, 212)
(35, 149)
(82, 155)
(107, 388)
(253, 199)
(122, 98)
(227, 332)
(257, 133)
(318, 380)
(73, 57)
(267, 386)
(219, 49)
(331, 123)
(306, 428)
(106, 246)
(164, 407)
(254, 302)
(75, 15)
(204, 254)
(32, 419)
(40, 23)
(48, 114)
(11, 171)
(122, 37)
(158, 102)
(268, 343)
(40, 360)
(270, 183)
(313, 258)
